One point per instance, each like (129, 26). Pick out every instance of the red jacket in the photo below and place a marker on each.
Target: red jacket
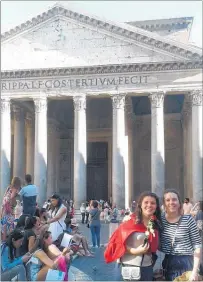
(116, 246)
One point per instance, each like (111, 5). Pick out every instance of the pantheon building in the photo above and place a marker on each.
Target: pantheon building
(95, 109)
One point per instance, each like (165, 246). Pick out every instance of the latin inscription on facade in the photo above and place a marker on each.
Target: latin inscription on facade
(73, 83)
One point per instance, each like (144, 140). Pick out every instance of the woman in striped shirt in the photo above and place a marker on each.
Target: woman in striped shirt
(180, 239)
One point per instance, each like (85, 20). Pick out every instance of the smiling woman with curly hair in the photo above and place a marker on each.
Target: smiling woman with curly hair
(135, 242)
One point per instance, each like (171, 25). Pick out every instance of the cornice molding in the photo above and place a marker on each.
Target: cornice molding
(107, 69)
(164, 24)
(125, 30)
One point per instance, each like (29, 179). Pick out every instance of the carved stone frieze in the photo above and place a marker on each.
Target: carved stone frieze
(133, 34)
(18, 112)
(157, 99)
(196, 98)
(118, 101)
(58, 72)
(5, 106)
(40, 105)
(79, 103)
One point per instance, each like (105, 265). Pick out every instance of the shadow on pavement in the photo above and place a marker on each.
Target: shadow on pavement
(94, 269)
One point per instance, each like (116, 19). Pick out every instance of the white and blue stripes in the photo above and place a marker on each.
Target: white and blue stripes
(187, 237)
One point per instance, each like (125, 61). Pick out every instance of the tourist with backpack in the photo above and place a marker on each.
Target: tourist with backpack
(10, 265)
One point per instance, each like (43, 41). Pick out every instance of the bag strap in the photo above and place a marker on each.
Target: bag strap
(174, 237)
(142, 260)
(60, 225)
(95, 215)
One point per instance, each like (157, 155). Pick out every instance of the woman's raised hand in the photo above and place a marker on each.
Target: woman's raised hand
(143, 249)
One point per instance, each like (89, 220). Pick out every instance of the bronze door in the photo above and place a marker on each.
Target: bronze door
(97, 170)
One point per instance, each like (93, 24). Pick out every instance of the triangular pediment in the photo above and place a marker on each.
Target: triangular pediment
(178, 29)
(62, 38)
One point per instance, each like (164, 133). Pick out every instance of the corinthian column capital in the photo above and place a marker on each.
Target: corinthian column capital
(118, 101)
(5, 105)
(157, 99)
(196, 97)
(40, 104)
(79, 103)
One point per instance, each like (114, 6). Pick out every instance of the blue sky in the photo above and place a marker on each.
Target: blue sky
(16, 12)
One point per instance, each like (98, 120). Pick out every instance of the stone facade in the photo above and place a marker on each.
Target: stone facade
(99, 109)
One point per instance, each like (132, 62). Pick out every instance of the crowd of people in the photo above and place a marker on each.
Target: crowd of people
(37, 240)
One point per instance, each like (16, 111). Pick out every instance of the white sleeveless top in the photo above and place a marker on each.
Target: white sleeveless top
(57, 227)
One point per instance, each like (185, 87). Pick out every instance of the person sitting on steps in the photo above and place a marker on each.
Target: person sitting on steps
(72, 229)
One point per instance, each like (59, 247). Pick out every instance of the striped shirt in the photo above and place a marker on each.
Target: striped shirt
(187, 237)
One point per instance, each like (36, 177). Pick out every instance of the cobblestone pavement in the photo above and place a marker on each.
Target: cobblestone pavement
(94, 269)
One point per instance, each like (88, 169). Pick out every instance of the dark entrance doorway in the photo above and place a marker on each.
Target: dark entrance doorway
(97, 170)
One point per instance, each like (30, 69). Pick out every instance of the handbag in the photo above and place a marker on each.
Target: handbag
(88, 224)
(131, 272)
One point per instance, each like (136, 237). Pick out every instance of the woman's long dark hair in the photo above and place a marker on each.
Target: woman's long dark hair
(57, 197)
(138, 211)
(45, 235)
(39, 212)
(30, 222)
(21, 221)
(15, 235)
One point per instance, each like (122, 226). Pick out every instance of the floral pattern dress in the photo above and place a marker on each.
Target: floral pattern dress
(7, 214)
